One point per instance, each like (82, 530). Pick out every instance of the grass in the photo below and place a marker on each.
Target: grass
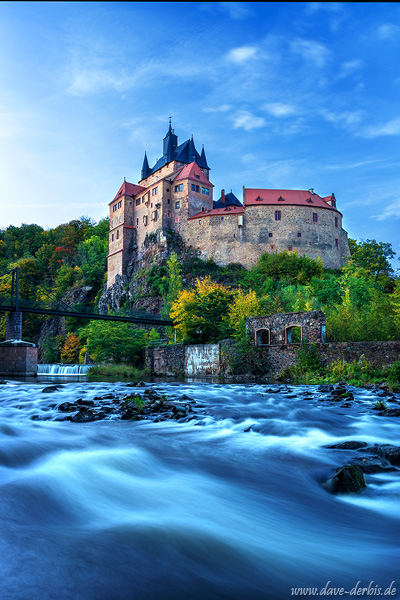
(121, 370)
(358, 373)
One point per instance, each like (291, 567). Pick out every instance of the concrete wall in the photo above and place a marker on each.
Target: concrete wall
(203, 359)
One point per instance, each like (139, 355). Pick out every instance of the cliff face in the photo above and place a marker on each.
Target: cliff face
(134, 290)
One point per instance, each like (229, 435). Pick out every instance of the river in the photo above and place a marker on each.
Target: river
(226, 506)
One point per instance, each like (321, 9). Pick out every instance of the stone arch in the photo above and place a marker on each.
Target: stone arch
(263, 337)
(293, 333)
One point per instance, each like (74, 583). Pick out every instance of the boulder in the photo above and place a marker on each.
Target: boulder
(348, 479)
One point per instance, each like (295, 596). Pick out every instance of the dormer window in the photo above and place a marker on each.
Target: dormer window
(259, 199)
(280, 199)
(309, 200)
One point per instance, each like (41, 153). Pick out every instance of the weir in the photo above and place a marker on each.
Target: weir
(61, 370)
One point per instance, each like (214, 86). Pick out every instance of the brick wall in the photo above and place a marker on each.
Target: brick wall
(18, 360)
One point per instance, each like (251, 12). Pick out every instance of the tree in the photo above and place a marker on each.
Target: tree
(373, 256)
(117, 342)
(92, 255)
(173, 281)
(200, 314)
(71, 349)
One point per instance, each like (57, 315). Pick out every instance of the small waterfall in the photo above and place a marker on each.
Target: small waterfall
(63, 370)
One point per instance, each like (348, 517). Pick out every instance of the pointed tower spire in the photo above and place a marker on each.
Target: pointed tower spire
(204, 164)
(145, 168)
(192, 151)
(170, 143)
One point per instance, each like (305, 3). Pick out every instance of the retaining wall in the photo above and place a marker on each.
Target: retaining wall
(211, 359)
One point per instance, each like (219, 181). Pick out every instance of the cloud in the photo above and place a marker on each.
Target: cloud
(241, 55)
(279, 109)
(236, 10)
(390, 128)
(391, 211)
(388, 32)
(311, 52)
(247, 121)
(218, 109)
(349, 68)
(347, 118)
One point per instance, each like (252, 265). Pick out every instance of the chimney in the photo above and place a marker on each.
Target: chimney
(223, 196)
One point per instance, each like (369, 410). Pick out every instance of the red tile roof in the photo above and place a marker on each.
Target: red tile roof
(193, 172)
(294, 197)
(129, 189)
(232, 210)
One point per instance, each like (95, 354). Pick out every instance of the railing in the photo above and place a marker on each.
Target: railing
(52, 305)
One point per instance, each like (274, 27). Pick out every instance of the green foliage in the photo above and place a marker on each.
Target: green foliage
(138, 401)
(92, 254)
(116, 371)
(200, 314)
(114, 341)
(51, 347)
(374, 257)
(290, 267)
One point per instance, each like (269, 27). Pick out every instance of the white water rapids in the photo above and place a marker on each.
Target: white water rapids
(206, 509)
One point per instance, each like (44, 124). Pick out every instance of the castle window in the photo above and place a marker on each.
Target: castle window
(177, 204)
(270, 234)
(179, 188)
(176, 219)
(200, 222)
(154, 216)
(114, 207)
(198, 237)
(290, 248)
(234, 235)
(336, 222)
(168, 201)
(120, 204)
(112, 237)
(315, 217)
(337, 243)
(299, 234)
(117, 235)
(137, 201)
(144, 219)
(143, 199)
(137, 221)
(272, 246)
(277, 215)
(154, 191)
(222, 218)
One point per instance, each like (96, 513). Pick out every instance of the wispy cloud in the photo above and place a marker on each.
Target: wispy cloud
(312, 52)
(392, 210)
(241, 55)
(245, 120)
(390, 128)
(236, 10)
(388, 32)
(279, 109)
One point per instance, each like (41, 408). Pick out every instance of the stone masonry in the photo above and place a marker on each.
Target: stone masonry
(177, 195)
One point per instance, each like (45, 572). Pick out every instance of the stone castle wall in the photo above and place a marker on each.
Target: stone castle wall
(206, 360)
(232, 237)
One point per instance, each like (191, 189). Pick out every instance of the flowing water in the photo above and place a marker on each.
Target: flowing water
(227, 506)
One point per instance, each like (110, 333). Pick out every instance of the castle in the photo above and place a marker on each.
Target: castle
(177, 195)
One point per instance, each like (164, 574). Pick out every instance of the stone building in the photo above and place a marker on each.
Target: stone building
(177, 195)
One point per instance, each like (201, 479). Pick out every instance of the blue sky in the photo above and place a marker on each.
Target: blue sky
(282, 95)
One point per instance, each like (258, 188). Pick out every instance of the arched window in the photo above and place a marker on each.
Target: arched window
(262, 337)
(293, 334)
